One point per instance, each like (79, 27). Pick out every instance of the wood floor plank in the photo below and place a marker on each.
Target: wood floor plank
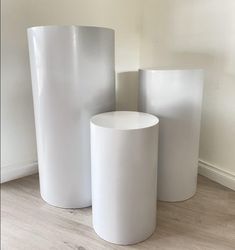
(206, 221)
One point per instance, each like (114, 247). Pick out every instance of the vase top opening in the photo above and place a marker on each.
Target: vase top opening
(125, 120)
(68, 27)
(170, 69)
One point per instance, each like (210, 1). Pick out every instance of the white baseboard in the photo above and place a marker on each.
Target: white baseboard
(225, 178)
(15, 171)
(216, 174)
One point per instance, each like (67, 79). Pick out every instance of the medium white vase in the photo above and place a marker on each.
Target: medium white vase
(175, 97)
(72, 70)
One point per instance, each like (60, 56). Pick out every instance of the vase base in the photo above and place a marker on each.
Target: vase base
(66, 206)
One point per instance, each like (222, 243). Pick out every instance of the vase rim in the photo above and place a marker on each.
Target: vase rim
(124, 120)
(67, 26)
(170, 69)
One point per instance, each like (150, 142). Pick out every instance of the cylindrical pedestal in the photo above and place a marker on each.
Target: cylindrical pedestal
(175, 96)
(72, 71)
(124, 175)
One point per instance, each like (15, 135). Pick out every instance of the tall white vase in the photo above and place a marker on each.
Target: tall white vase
(72, 70)
(175, 97)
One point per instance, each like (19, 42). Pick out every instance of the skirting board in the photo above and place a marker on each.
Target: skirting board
(15, 171)
(206, 169)
(216, 174)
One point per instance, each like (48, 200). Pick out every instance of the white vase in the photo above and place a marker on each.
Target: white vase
(72, 70)
(175, 96)
(124, 175)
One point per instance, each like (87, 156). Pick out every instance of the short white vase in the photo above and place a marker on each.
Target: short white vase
(175, 97)
(124, 175)
(72, 70)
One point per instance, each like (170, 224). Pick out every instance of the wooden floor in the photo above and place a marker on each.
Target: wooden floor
(207, 221)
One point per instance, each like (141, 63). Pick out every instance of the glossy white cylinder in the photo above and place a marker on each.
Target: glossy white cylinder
(175, 96)
(72, 70)
(124, 175)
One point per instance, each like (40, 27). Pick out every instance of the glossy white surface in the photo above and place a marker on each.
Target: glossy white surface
(124, 175)
(175, 96)
(72, 71)
(124, 120)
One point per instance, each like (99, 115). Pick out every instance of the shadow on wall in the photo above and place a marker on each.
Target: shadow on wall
(127, 91)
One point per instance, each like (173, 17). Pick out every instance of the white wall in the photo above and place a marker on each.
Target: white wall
(149, 33)
(200, 34)
(18, 136)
